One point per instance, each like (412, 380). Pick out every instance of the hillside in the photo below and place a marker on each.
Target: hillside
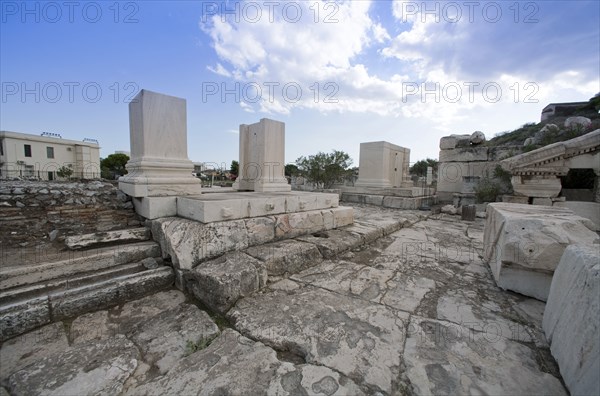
(543, 136)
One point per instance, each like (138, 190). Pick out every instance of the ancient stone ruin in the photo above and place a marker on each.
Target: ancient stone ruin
(287, 292)
(159, 169)
(383, 179)
(536, 175)
(383, 165)
(262, 157)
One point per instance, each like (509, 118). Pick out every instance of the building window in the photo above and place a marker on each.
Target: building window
(1, 146)
(50, 152)
(27, 150)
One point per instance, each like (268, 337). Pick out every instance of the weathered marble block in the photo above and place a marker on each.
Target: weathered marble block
(383, 165)
(159, 169)
(159, 165)
(262, 157)
(465, 154)
(523, 244)
(571, 322)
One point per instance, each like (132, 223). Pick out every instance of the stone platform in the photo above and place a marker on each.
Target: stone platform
(397, 198)
(414, 312)
(217, 206)
(407, 192)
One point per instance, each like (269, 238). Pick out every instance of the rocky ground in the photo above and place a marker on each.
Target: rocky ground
(416, 312)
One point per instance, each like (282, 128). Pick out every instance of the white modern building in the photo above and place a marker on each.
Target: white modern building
(34, 156)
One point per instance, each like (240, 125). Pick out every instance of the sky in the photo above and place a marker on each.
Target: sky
(338, 73)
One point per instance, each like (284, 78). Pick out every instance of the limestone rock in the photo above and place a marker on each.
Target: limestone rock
(528, 142)
(445, 358)
(25, 349)
(289, 256)
(189, 242)
(449, 209)
(359, 339)
(73, 302)
(18, 318)
(166, 338)
(150, 263)
(571, 320)
(100, 325)
(548, 128)
(578, 121)
(219, 283)
(453, 141)
(523, 244)
(384, 286)
(236, 365)
(333, 242)
(94, 368)
(465, 154)
(477, 137)
(88, 240)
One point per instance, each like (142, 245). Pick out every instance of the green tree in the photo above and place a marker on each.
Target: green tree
(64, 172)
(235, 168)
(114, 165)
(324, 169)
(291, 170)
(419, 168)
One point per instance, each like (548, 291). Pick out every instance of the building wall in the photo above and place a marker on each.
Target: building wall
(82, 157)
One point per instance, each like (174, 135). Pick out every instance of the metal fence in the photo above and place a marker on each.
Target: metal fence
(49, 175)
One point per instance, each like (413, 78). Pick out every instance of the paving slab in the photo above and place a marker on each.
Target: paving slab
(93, 368)
(443, 358)
(384, 286)
(25, 349)
(361, 340)
(236, 365)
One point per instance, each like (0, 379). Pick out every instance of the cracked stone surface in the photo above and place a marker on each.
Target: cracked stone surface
(444, 358)
(361, 340)
(414, 312)
(235, 365)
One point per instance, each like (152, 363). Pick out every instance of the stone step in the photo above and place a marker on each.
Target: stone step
(77, 263)
(219, 283)
(25, 315)
(109, 237)
(31, 291)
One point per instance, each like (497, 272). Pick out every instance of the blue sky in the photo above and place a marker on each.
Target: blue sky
(337, 73)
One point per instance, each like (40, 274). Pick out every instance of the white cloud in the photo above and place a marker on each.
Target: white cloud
(442, 71)
(220, 70)
(380, 33)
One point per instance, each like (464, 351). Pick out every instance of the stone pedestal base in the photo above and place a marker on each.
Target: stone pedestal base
(155, 207)
(209, 208)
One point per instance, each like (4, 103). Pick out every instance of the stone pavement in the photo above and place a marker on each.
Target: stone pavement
(415, 312)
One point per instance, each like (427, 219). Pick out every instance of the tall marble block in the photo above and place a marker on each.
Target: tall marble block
(383, 165)
(262, 157)
(571, 322)
(159, 166)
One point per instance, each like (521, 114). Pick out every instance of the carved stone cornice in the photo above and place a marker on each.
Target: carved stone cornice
(548, 160)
